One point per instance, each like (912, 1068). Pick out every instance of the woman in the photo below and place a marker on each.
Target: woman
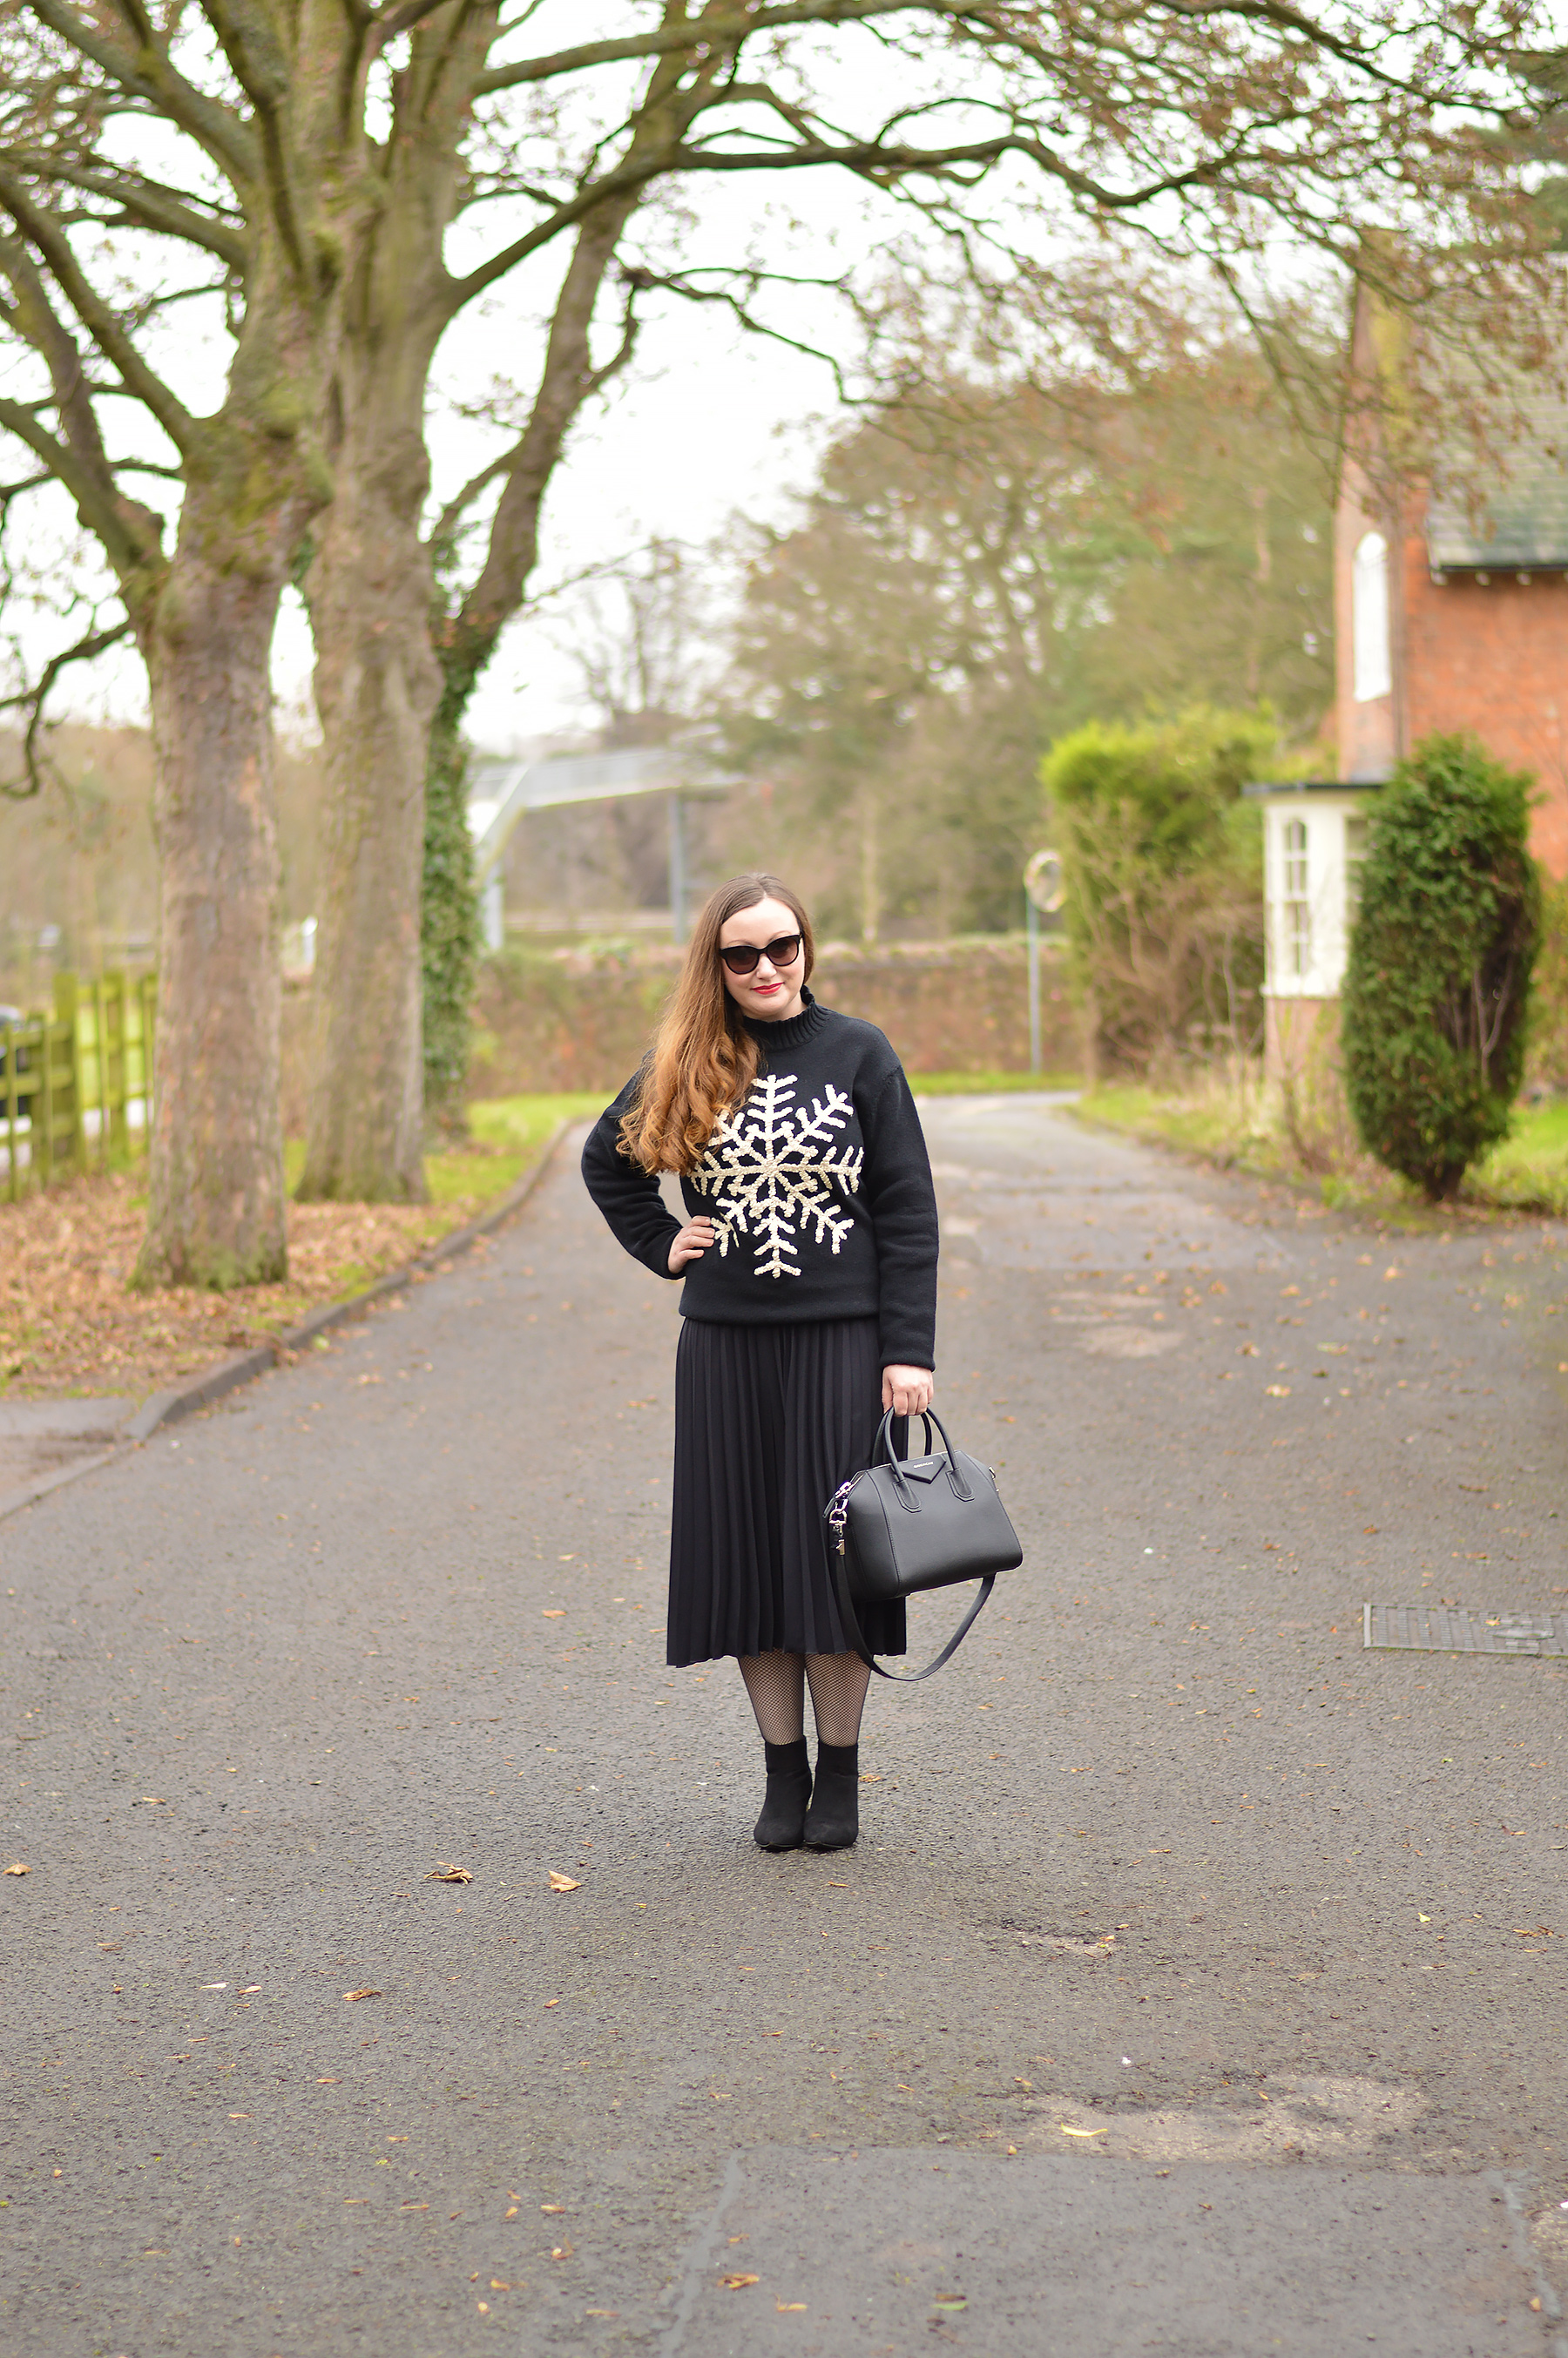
(809, 1255)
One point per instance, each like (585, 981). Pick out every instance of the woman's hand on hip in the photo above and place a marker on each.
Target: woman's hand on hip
(907, 1391)
(691, 1244)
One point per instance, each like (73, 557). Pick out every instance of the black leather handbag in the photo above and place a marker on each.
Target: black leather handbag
(920, 1522)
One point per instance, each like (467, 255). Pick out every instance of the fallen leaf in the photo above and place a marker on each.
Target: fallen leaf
(733, 2284)
(549, 2002)
(484, 2305)
(239, 2116)
(561, 2252)
(350, 1996)
(21, 1867)
(784, 2307)
(719, 2095)
(154, 1800)
(414, 2206)
(552, 2210)
(563, 1883)
(1277, 1392)
(868, 1780)
(496, 2285)
(214, 1985)
(555, 1612)
(327, 2083)
(250, 1989)
(445, 1872)
(513, 2212)
(1083, 2132)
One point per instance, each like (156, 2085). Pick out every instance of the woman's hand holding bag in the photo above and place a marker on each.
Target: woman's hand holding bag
(926, 1522)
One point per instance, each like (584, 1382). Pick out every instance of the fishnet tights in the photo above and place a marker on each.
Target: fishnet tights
(777, 1685)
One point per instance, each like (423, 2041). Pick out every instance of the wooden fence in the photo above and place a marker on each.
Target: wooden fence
(76, 1085)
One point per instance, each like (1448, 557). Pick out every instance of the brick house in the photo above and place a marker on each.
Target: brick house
(1451, 613)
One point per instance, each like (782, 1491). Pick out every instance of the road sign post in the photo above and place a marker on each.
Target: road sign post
(1043, 894)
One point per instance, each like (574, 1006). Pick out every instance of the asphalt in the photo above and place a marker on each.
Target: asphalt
(1196, 1985)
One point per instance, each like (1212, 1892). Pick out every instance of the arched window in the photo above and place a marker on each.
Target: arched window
(1369, 617)
(1298, 907)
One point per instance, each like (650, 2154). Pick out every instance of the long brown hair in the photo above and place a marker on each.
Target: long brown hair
(703, 1059)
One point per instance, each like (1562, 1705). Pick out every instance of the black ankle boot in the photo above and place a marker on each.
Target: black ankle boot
(833, 1820)
(782, 1822)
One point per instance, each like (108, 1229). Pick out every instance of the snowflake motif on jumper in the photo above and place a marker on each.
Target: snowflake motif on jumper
(771, 1170)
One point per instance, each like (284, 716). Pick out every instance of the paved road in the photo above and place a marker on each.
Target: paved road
(1196, 1987)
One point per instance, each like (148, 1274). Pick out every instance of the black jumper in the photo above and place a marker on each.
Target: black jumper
(824, 1271)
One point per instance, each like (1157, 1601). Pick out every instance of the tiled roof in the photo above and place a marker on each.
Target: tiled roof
(1520, 521)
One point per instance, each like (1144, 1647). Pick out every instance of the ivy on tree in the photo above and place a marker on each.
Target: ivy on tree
(1437, 987)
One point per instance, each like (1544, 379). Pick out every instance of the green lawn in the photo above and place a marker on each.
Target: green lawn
(1530, 1169)
(507, 1137)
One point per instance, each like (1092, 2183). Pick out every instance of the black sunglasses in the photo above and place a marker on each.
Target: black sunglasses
(783, 951)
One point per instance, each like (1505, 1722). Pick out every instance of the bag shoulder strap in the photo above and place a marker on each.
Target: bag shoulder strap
(852, 1630)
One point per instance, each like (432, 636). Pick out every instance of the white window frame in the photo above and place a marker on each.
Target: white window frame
(1371, 647)
(1296, 899)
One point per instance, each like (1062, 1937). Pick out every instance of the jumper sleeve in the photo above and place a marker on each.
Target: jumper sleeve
(903, 1203)
(628, 1196)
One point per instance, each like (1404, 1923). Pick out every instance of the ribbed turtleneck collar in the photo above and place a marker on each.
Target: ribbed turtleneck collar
(793, 1031)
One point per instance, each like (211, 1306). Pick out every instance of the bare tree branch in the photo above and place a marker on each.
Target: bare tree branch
(148, 75)
(710, 32)
(33, 699)
(143, 204)
(682, 282)
(44, 235)
(446, 525)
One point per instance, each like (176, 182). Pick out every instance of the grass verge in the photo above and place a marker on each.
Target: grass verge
(985, 1084)
(1242, 1129)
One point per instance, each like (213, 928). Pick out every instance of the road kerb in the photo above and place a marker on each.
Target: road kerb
(171, 1407)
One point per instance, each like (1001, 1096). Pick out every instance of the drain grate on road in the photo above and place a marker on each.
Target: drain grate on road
(1453, 1630)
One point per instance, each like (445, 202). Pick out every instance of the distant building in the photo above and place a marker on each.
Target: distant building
(1451, 613)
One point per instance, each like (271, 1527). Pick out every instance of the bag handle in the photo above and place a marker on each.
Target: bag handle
(882, 1452)
(846, 1615)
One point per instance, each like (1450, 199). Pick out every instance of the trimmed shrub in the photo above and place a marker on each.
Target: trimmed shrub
(1437, 987)
(1163, 870)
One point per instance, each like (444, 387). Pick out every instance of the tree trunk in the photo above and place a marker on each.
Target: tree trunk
(377, 682)
(376, 691)
(216, 1209)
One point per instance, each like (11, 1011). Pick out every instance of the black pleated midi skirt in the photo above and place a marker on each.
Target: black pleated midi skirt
(768, 1421)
